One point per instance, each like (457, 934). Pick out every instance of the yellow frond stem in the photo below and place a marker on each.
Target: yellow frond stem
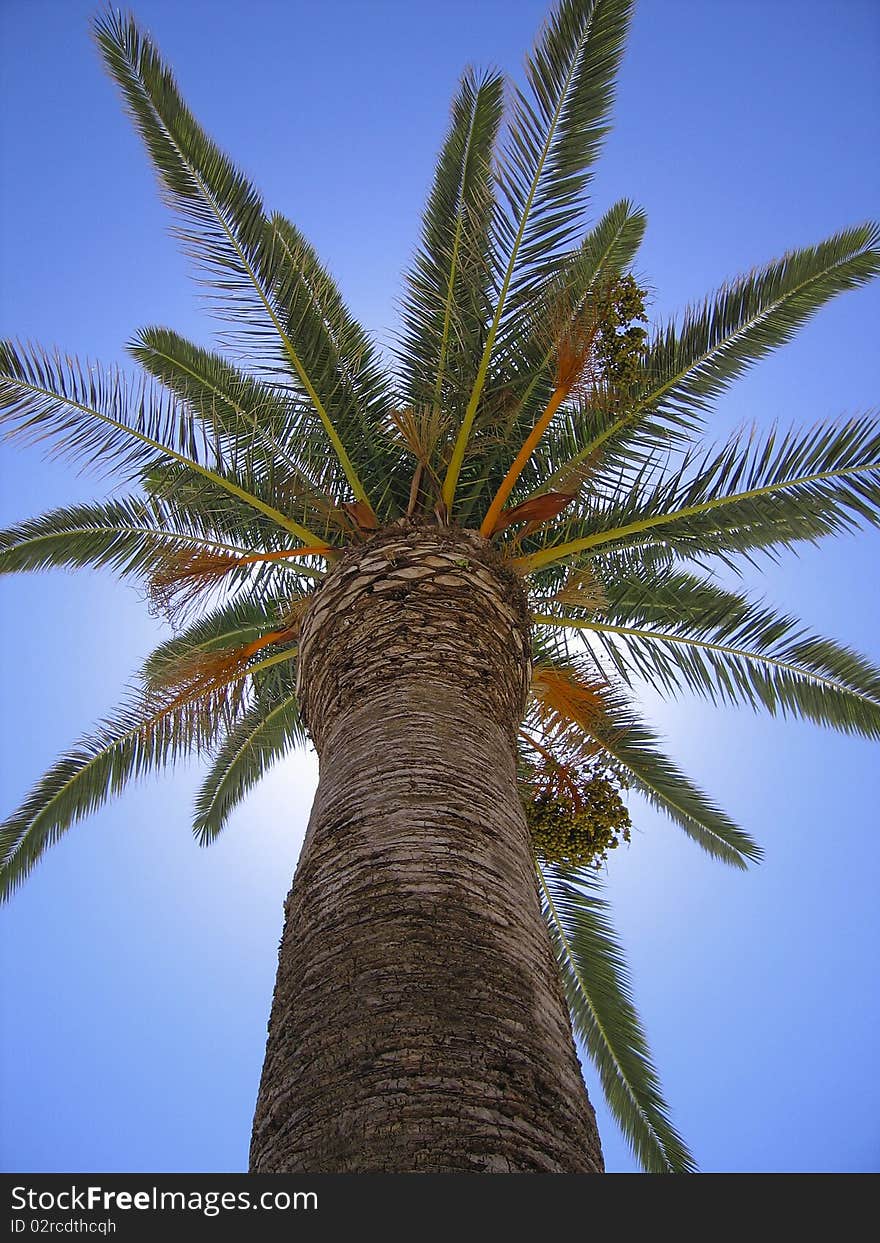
(559, 552)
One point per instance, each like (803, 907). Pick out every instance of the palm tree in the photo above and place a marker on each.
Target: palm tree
(450, 581)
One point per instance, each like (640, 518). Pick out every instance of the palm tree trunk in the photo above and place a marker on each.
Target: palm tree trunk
(418, 1023)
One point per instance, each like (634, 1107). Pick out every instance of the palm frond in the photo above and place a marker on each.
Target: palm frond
(599, 995)
(639, 593)
(688, 366)
(93, 415)
(140, 736)
(254, 420)
(765, 662)
(262, 736)
(527, 355)
(553, 142)
(556, 135)
(183, 577)
(201, 503)
(229, 626)
(225, 229)
(342, 363)
(687, 632)
(635, 747)
(523, 372)
(151, 730)
(608, 250)
(130, 536)
(798, 485)
(446, 308)
(216, 680)
(266, 438)
(580, 715)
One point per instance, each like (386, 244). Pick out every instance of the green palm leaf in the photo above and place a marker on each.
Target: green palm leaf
(555, 137)
(230, 625)
(608, 250)
(130, 536)
(250, 416)
(528, 355)
(225, 230)
(599, 995)
(737, 650)
(136, 739)
(341, 361)
(524, 370)
(553, 143)
(94, 416)
(794, 486)
(635, 747)
(446, 307)
(199, 502)
(757, 658)
(263, 735)
(150, 731)
(639, 594)
(265, 434)
(234, 463)
(690, 365)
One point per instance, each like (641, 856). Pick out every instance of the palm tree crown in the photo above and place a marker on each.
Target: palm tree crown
(528, 403)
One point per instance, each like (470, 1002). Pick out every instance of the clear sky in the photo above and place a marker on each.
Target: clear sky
(137, 968)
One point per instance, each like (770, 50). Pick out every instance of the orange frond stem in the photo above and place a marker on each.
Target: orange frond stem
(576, 334)
(536, 746)
(217, 682)
(317, 550)
(185, 575)
(206, 676)
(487, 528)
(555, 777)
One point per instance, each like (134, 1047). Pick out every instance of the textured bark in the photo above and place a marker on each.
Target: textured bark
(418, 1023)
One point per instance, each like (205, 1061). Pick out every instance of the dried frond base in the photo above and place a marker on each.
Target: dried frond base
(582, 590)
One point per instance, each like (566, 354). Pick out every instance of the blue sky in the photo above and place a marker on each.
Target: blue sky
(138, 967)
